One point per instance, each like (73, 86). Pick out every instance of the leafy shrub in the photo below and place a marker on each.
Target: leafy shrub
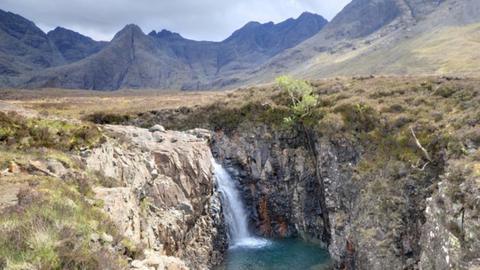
(26, 133)
(107, 118)
(445, 91)
(302, 98)
(360, 117)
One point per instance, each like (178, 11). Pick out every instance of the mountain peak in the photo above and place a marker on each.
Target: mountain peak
(307, 14)
(165, 34)
(58, 31)
(129, 29)
(308, 17)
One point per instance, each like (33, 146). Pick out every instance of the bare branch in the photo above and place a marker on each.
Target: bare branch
(427, 156)
(418, 167)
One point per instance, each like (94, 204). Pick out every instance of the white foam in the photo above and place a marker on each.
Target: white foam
(251, 242)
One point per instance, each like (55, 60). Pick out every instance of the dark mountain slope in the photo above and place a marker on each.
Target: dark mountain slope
(129, 60)
(24, 47)
(72, 45)
(167, 60)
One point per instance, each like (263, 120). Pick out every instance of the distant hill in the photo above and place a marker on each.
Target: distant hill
(72, 45)
(398, 37)
(24, 47)
(159, 60)
(394, 37)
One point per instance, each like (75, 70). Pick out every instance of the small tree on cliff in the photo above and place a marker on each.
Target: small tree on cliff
(303, 99)
(303, 106)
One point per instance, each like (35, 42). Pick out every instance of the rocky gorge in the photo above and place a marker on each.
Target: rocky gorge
(395, 219)
(381, 183)
(378, 188)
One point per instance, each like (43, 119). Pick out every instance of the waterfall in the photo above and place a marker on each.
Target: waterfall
(234, 211)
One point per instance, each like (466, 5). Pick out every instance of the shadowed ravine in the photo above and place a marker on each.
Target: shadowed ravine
(247, 251)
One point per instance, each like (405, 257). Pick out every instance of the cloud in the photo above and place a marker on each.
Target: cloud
(195, 19)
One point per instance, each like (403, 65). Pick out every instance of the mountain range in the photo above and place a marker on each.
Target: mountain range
(133, 59)
(398, 37)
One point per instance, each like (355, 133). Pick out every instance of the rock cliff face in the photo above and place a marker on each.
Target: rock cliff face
(160, 193)
(277, 172)
(383, 220)
(450, 235)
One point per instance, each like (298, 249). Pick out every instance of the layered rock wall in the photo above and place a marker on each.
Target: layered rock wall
(161, 194)
(386, 217)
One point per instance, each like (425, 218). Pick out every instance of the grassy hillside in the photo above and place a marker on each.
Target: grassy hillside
(447, 50)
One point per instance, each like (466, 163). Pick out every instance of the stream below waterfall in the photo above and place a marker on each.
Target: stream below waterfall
(249, 252)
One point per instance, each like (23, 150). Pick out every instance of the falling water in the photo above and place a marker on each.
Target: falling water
(234, 211)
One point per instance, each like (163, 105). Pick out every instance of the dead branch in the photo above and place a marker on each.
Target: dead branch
(417, 166)
(419, 145)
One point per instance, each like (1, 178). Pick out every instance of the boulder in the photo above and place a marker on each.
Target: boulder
(157, 128)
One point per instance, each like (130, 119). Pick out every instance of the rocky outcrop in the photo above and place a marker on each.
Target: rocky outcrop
(158, 187)
(378, 218)
(450, 235)
(277, 172)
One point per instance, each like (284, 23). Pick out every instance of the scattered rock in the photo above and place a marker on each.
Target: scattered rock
(158, 137)
(200, 133)
(85, 153)
(107, 238)
(155, 128)
(40, 166)
(56, 167)
(13, 167)
(137, 264)
(94, 237)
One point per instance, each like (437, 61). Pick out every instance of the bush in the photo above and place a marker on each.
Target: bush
(25, 133)
(360, 117)
(50, 228)
(107, 118)
(331, 124)
(445, 91)
(302, 98)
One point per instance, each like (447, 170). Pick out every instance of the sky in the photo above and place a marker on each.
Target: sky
(211, 20)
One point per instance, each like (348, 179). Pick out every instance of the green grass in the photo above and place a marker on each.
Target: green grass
(26, 133)
(51, 227)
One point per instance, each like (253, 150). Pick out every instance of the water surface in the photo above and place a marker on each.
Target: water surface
(276, 255)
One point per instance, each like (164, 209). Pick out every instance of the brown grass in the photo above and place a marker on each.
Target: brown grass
(78, 103)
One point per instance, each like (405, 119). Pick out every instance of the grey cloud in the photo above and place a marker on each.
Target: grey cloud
(196, 19)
